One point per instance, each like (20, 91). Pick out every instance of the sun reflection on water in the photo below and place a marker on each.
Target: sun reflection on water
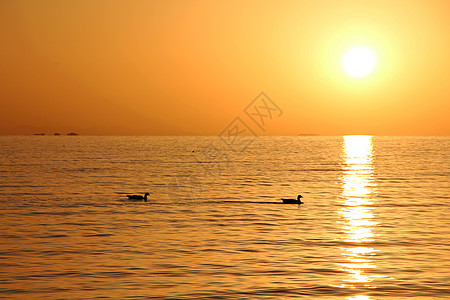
(356, 214)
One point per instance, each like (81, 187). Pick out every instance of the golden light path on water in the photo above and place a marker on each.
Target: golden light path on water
(356, 214)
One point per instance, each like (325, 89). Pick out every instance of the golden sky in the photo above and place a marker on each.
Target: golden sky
(190, 67)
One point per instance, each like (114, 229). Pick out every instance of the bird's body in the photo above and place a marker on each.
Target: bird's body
(138, 197)
(293, 201)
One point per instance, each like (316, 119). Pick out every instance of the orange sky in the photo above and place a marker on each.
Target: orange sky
(190, 67)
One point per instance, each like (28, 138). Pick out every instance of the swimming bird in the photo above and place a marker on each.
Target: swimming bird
(138, 197)
(293, 201)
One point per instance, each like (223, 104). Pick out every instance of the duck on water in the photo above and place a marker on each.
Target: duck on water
(293, 201)
(138, 197)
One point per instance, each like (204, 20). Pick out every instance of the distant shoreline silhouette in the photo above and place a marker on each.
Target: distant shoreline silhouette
(58, 134)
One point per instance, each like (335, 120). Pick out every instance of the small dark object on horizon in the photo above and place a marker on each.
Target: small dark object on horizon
(138, 197)
(293, 201)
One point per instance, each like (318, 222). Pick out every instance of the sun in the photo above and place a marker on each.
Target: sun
(359, 61)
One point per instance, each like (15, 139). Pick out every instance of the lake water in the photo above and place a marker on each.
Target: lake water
(375, 221)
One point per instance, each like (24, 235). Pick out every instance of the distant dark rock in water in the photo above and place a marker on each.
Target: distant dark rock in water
(56, 133)
(72, 133)
(39, 134)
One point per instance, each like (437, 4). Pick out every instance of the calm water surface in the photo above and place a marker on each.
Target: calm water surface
(375, 223)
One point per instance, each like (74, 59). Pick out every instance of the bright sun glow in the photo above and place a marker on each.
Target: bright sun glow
(359, 61)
